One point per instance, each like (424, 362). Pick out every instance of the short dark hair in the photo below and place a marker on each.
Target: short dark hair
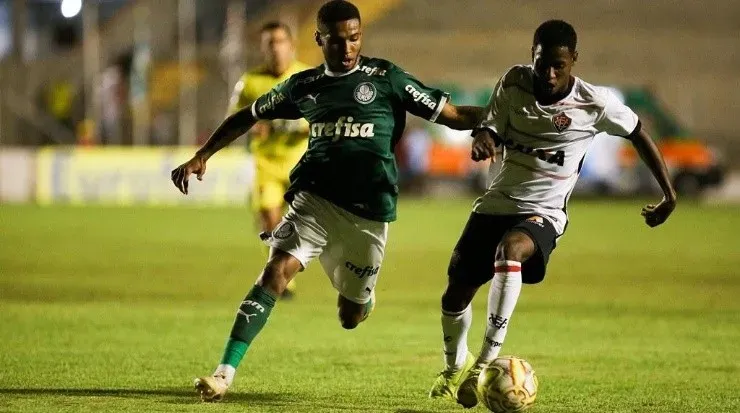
(335, 11)
(276, 25)
(555, 33)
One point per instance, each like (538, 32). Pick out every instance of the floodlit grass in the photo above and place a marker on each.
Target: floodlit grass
(118, 309)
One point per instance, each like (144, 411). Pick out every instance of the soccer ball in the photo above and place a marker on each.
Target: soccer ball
(508, 385)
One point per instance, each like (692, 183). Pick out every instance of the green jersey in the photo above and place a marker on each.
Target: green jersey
(356, 120)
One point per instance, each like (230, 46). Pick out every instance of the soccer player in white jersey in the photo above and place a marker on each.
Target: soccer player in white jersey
(543, 119)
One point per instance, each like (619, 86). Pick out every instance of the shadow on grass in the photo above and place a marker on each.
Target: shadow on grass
(181, 396)
(172, 395)
(413, 411)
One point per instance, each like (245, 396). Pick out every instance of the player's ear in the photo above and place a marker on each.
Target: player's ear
(532, 56)
(317, 37)
(575, 56)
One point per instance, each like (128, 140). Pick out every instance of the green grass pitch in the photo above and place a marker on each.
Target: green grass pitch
(118, 309)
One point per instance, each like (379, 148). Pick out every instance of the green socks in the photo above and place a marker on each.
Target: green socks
(250, 318)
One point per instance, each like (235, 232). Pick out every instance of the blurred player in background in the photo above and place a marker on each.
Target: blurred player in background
(344, 190)
(545, 120)
(276, 145)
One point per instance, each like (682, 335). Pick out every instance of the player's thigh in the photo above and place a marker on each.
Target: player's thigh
(303, 231)
(543, 236)
(474, 255)
(516, 245)
(354, 256)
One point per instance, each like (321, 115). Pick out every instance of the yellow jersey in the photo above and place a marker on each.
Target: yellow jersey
(288, 139)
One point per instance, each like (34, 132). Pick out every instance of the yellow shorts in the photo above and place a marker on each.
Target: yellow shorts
(271, 182)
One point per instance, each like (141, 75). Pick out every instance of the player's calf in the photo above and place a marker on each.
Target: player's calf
(457, 296)
(514, 249)
(457, 316)
(279, 271)
(251, 317)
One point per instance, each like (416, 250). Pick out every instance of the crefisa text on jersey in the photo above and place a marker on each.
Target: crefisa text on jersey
(372, 71)
(425, 99)
(273, 101)
(343, 127)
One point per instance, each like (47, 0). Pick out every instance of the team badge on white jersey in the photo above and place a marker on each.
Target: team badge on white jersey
(561, 121)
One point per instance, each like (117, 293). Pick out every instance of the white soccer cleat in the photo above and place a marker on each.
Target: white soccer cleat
(211, 388)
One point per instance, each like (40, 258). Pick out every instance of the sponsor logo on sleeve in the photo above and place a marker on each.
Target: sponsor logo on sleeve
(273, 100)
(421, 97)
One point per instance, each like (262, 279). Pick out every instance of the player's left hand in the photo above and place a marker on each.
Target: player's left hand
(658, 214)
(484, 146)
(181, 174)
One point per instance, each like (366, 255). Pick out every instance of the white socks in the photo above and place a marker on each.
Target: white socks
(502, 298)
(455, 328)
(227, 371)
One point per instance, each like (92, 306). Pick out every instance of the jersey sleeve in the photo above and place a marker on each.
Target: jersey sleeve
(617, 119)
(277, 103)
(416, 98)
(496, 115)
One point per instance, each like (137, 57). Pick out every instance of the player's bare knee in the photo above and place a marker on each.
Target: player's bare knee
(349, 323)
(350, 317)
(350, 313)
(516, 246)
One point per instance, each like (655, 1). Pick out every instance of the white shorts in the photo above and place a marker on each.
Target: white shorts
(350, 248)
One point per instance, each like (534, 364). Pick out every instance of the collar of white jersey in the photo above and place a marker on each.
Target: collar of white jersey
(341, 74)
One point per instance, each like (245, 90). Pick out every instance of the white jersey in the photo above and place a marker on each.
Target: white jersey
(544, 145)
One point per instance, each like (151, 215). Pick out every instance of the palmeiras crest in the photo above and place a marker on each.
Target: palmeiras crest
(365, 93)
(284, 231)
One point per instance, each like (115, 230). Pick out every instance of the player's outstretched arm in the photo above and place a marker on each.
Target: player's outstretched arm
(231, 128)
(234, 126)
(655, 214)
(460, 117)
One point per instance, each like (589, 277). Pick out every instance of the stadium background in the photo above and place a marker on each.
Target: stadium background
(98, 264)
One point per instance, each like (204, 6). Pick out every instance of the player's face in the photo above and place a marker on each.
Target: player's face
(341, 44)
(552, 67)
(277, 47)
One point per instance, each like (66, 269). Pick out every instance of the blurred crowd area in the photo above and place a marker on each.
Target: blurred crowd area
(160, 72)
(119, 72)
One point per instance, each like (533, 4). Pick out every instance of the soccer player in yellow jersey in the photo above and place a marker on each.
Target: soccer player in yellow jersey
(276, 145)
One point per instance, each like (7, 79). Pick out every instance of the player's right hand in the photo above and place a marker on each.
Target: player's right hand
(657, 214)
(181, 174)
(484, 146)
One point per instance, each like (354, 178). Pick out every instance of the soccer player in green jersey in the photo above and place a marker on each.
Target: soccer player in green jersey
(343, 191)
